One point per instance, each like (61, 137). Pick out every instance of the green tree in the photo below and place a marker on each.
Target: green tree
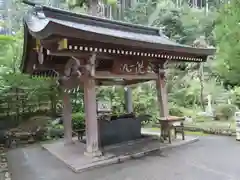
(228, 36)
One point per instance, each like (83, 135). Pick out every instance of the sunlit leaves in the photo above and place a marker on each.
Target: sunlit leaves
(228, 39)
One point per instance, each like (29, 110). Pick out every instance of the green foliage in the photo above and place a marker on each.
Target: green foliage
(175, 111)
(81, 3)
(20, 92)
(145, 99)
(202, 118)
(225, 111)
(56, 131)
(115, 95)
(235, 96)
(75, 3)
(78, 120)
(227, 36)
(183, 24)
(6, 40)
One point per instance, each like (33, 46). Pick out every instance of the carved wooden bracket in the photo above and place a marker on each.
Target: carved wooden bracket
(72, 68)
(71, 77)
(69, 82)
(91, 65)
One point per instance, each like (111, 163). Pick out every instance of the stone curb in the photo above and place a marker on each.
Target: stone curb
(180, 144)
(4, 172)
(214, 131)
(123, 158)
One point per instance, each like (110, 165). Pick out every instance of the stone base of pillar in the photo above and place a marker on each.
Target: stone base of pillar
(93, 154)
(68, 142)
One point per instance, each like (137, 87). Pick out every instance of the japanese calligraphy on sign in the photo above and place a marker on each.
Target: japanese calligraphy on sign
(131, 67)
(104, 106)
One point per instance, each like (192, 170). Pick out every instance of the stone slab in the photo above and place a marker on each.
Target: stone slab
(73, 155)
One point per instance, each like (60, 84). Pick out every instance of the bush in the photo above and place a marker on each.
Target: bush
(202, 118)
(225, 111)
(175, 111)
(235, 96)
(56, 131)
(78, 120)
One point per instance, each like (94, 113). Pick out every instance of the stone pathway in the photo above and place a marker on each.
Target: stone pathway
(213, 158)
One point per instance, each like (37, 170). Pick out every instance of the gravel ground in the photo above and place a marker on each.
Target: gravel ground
(212, 158)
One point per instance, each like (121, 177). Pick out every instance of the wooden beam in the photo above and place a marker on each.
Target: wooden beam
(108, 75)
(103, 55)
(79, 54)
(131, 83)
(134, 82)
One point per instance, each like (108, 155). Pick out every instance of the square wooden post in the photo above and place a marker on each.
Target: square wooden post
(92, 132)
(67, 118)
(163, 103)
(162, 95)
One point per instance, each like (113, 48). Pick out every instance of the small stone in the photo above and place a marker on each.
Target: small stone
(8, 178)
(3, 165)
(7, 175)
(2, 150)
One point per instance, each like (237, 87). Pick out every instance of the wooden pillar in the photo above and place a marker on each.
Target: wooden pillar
(67, 118)
(162, 95)
(92, 132)
(128, 99)
(163, 104)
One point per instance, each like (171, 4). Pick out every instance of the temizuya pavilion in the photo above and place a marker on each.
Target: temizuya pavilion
(88, 51)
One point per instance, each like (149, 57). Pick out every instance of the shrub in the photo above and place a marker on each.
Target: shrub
(175, 111)
(78, 120)
(201, 118)
(225, 111)
(235, 96)
(41, 134)
(56, 131)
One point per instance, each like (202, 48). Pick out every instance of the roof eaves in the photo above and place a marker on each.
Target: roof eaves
(107, 27)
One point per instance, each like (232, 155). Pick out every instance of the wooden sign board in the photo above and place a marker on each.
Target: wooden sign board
(104, 106)
(130, 67)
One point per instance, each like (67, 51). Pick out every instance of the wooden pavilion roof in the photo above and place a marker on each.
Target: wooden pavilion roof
(64, 34)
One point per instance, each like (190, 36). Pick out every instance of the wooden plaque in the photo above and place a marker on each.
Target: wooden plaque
(104, 106)
(130, 67)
